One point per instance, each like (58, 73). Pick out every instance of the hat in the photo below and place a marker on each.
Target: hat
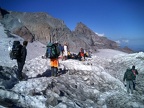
(65, 43)
(56, 41)
(133, 67)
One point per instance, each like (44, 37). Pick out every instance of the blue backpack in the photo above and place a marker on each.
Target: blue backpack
(52, 51)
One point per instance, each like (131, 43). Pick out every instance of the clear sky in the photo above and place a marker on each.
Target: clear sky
(118, 20)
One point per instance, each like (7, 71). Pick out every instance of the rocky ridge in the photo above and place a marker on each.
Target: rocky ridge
(43, 27)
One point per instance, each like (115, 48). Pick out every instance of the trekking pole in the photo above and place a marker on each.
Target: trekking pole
(50, 36)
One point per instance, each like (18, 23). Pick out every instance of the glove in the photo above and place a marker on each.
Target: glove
(124, 83)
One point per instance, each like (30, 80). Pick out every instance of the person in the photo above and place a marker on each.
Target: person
(61, 48)
(54, 62)
(129, 77)
(86, 54)
(135, 72)
(81, 55)
(21, 60)
(69, 55)
(90, 53)
(65, 52)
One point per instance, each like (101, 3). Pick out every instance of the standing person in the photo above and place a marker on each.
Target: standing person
(65, 53)
(21, 60)
(135, 72)
(129, 77)
(53, 53)
(61, 48)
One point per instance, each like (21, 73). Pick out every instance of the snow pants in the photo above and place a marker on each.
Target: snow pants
(19, 70)
(54, 66)
(129, 86)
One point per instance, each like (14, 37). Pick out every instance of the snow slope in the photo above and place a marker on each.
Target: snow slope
(108, 53)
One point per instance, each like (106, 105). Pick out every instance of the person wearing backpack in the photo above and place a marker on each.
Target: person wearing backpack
(21, 60)
(135, 72)
(15, 50)
(129, 77)
(53, 53)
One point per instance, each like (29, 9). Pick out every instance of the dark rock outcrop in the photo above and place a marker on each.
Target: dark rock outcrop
(8, 77)
(24, 33)
(3, 12)
(15, 26)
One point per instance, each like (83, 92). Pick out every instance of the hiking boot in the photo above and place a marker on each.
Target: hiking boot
(21, 78)
(52, 71)
(130, 94)
(55, 75)
(52, 74)
(55, 71)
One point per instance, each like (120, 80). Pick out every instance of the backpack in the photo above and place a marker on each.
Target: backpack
(15, 53)
(130, 75)
(52, 51)
(62, 48)
(135, 71)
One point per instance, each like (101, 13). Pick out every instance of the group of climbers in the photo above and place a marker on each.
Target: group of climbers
(82, 54)
(53, 51)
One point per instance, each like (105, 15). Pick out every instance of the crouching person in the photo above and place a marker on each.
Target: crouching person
(81, 55)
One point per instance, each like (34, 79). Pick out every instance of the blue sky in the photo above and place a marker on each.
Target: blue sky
(118, 20)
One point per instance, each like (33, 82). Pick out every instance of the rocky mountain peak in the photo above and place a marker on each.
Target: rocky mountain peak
(83, 29)
(3, 12)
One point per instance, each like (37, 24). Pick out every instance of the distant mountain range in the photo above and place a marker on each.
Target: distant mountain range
(43, 27)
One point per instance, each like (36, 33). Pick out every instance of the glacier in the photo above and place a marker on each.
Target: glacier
(94, 83)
